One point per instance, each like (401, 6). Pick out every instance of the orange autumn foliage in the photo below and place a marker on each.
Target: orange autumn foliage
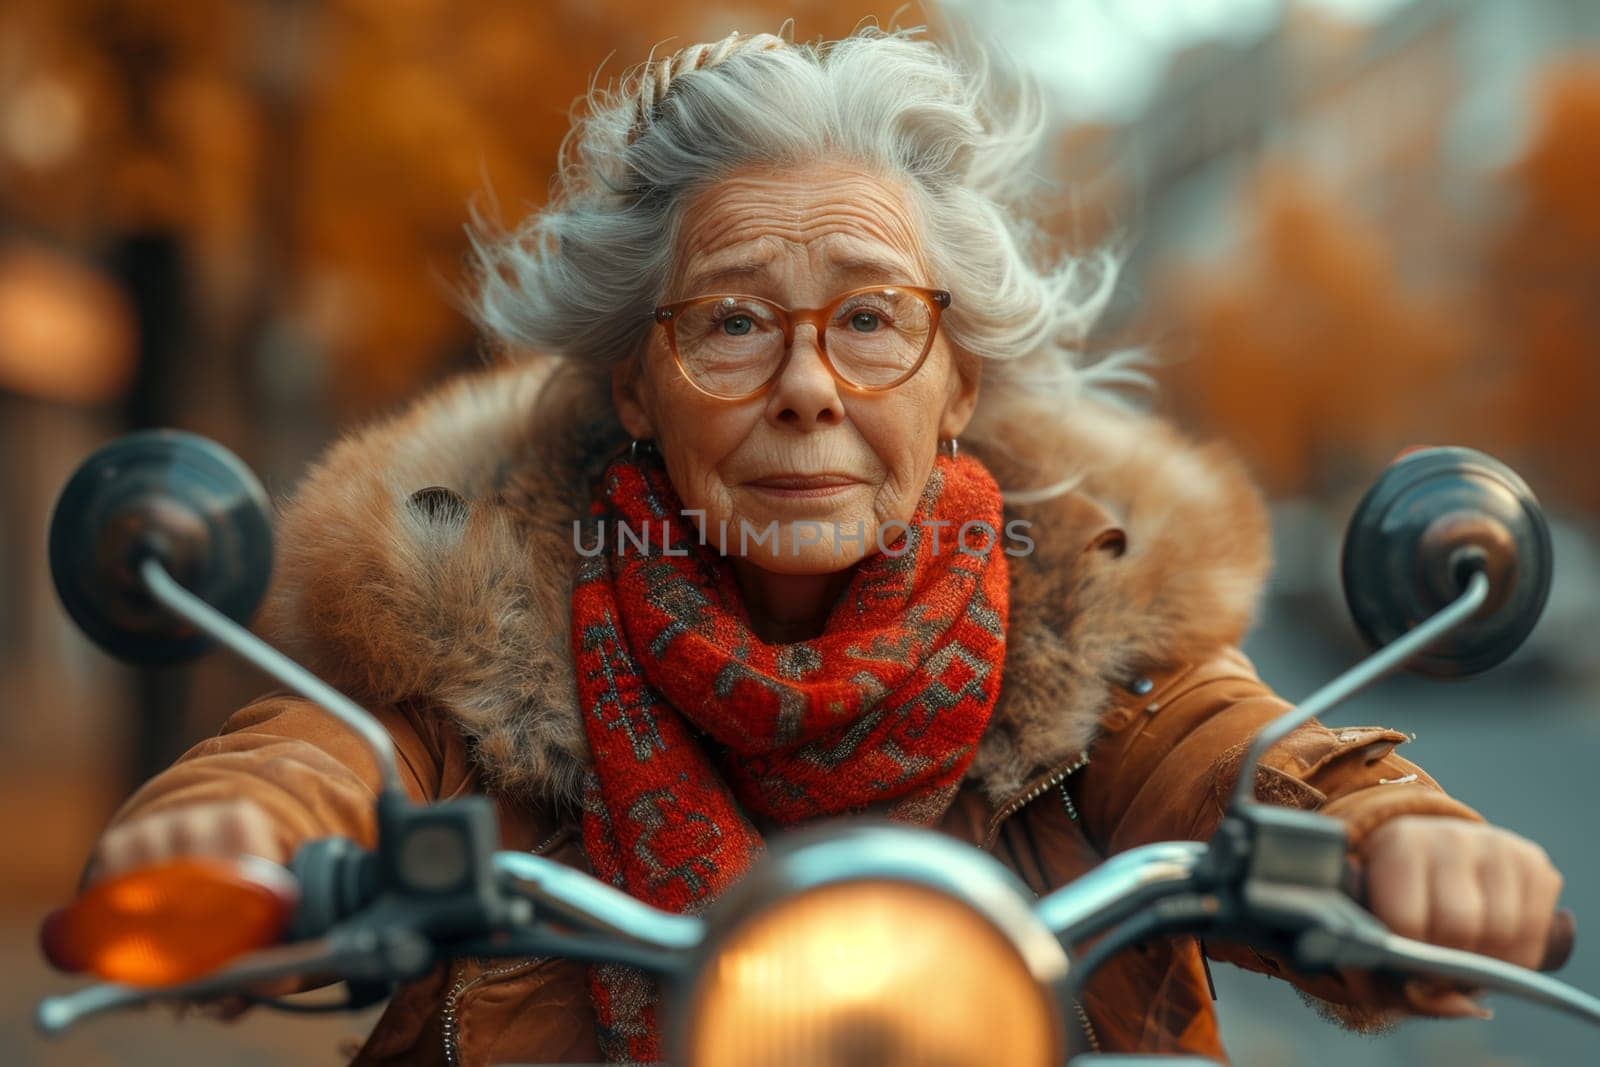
(1305, 347)
(1542, 288)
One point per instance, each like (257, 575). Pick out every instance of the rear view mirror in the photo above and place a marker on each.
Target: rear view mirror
(1433, 517)
(180, 499)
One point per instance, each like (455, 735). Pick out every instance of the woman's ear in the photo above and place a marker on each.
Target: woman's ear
(627, 398)
(963, 400)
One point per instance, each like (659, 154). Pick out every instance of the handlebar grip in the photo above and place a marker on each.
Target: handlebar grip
(337, 878)
(1562, 940)
(55, 945)
(1559, 942)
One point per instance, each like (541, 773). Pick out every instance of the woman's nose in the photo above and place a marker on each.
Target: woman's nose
(806, 394)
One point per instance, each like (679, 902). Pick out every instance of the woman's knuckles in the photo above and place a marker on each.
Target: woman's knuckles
(222, 830)
(1401, 903)
(1456, 916)
(1463, 885)
(1505, 933)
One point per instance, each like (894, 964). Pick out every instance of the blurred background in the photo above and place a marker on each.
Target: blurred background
(1347, 226)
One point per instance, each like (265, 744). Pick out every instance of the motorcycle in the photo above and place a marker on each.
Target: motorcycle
(160, 544)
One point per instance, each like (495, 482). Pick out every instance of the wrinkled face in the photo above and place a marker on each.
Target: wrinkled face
(798, 237)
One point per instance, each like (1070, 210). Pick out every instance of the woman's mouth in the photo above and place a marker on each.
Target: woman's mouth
(803, 486)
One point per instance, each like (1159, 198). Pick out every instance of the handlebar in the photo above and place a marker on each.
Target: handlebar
(1209, 889)
(1120, 888)
(1243, 892)
(592, 905)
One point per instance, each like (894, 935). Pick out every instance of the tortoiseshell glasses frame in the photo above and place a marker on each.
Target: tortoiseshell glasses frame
(669, 316)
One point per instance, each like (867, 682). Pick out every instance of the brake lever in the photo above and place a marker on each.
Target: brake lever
(1362, 942)
(364, 952)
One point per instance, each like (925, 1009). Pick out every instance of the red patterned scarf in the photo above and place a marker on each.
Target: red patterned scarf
(699, 729)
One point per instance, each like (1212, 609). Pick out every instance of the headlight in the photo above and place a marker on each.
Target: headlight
(878, 946)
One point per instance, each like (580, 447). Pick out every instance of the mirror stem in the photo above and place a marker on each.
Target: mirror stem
(217, 626)
(1357, 678)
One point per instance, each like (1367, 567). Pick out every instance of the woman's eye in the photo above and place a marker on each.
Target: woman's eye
(864, 321)
(737, 325)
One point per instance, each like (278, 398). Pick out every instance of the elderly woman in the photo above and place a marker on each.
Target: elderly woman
(739, 559)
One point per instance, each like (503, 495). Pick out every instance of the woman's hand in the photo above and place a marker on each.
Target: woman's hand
(1464, 885)
(224, 830)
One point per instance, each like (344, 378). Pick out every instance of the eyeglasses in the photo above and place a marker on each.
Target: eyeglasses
(734, 347)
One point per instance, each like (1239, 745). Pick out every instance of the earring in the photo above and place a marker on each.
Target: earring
(954, 443)
(640, 445)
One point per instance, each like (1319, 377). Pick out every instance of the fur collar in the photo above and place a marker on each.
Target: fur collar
(428, 558)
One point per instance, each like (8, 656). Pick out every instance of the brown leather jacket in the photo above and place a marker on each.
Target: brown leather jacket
(450, 622)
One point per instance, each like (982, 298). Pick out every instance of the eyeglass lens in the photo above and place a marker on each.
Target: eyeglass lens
(731, 346)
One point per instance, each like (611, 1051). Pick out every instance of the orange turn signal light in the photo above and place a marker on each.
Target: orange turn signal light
(173, 922)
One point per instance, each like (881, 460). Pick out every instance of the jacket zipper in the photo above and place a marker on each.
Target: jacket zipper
(1054, 779)
(1040, 787)
(1083, 1014)
(1088, 1027)
(449, 1017)
(449, 1020)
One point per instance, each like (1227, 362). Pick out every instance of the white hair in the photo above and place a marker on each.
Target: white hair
(582, 276)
